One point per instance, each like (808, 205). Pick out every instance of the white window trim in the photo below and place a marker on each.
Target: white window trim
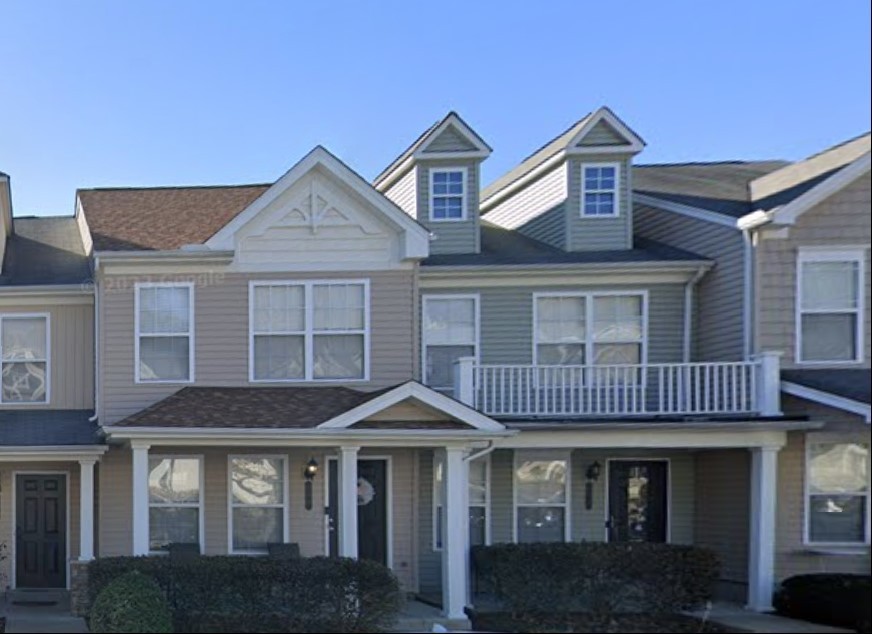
(285, 505)
(544, 454)
(857, 255)
(616, 191)
(48, 363)
(200, 506)
(487, 503)
(475, 297)
(590, 297)
(138, 335)
(309, 332)
(464, 205)
(818, 438)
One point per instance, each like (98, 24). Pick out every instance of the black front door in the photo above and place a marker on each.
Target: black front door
(637, 500)
(372, 509)
(41, 539)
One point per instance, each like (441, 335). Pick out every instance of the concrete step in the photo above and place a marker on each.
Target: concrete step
(37, 596)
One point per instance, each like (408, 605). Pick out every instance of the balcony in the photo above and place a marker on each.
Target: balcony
(740, 388)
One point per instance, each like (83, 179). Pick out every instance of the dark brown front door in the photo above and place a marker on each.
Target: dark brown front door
(637, 500)
(372, 509)
(40, 531)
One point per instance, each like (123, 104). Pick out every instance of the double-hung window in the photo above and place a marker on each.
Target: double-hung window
(830, 306)
(599, 190)
(448, 194)
(164, 332)
(541, 496)
(589, 329)
(450, 332)
(175, 501)
(24, 349)
(309, 331)
(837, 488)
(479, 501)
(258, 502)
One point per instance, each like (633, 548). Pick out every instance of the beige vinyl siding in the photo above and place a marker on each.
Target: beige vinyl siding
(602, 134)
(719, 296)
(598, 234)
(71, 355)
(524, 210)
(840, 221)
(429, 560)
(403, 193)
(506, 328)
(221, 335)
(307, 528)
(450, 140)
(450, 237)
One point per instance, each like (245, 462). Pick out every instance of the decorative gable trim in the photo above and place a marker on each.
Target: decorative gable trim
(415, 391)
(415, 240)
(634, 142)
(481, 149)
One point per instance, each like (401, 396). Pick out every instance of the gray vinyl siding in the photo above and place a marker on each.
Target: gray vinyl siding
(718, 323)
(403, 193)
(450, 140)
(506, 329)
(429, 560)
(450, 237)
(221, 335)
(548, 227)
(598, 234)
(602, 134)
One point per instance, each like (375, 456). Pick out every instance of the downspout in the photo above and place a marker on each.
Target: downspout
(481, 454)
(748, 293)
(688, 313)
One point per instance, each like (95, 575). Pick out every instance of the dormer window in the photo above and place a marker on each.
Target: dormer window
(599, 190)
(448, 194)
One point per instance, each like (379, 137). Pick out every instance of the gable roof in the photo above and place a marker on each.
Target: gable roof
(45, 250)
(161, 218)
(452, 119)
(847, 389)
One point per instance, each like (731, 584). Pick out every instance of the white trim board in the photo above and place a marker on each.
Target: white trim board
(634, 143)
(464, 195)
(828, 399)
(615, 191)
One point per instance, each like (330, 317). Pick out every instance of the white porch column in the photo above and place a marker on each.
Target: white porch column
(455, 533)
(348, 501)
(86, 508)
(761, 542)
(140, 498)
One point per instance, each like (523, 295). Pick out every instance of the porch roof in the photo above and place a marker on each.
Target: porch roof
(854, 384)
(48, 428)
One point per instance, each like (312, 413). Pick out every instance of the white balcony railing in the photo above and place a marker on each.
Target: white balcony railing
(654, 389)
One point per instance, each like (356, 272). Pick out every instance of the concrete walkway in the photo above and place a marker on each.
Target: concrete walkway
(21, 617)
(735, 616)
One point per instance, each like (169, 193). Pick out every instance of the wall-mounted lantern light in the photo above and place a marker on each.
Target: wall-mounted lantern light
(309, 473)
(591, 474)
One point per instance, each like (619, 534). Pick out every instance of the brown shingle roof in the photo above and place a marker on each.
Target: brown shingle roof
(162, 218)
(250, 407)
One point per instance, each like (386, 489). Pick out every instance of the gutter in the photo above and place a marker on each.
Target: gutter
(84, 288)
(600, 267)
(175, 256)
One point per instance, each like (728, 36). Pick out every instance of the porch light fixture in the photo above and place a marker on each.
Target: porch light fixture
(593, 472)
(309, 473)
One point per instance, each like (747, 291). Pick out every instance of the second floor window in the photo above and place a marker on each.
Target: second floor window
(24, 346)
(599, 189)
(830, 302)
(309, 331)
(164, 333)
(450, 332)
(589, 329)
(447, 194)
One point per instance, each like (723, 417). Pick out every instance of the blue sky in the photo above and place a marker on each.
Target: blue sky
(194, 92)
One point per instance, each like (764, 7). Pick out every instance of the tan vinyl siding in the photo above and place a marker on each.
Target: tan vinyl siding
(451, 237)
(524, 210)
(602, 134)
(840, 221)
(719, 296)
(450, 140)
(221, 335)
(307, 528)
(598, 234)
(403, 193)
(429, 560)
(506, 329)
(71, 355)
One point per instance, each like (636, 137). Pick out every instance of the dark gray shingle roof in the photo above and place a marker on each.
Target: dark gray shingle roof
(45, 250)
(852, 384)
(504, 247)
(47, 428)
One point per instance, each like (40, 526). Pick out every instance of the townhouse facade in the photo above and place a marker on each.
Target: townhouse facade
(585, 349)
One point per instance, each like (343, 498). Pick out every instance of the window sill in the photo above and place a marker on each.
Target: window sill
(835, 550)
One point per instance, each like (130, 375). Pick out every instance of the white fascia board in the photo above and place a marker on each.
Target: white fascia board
(686, 210)
(829, 399)
(50, 453)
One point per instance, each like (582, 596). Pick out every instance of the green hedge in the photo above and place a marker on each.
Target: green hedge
(840, 600)
(132, 602)
(265, 594)
(540, 583)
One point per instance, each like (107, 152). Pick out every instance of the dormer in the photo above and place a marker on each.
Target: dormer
(436, 181)
(573, 192)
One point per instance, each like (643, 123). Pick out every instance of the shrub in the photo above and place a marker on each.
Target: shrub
(548, 583)
(131, 603)
(266, 594)
(840, 600)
